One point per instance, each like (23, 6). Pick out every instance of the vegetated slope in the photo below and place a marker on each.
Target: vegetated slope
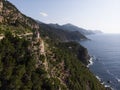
(65, 65)
(23, 66)
(45, 63)
(61, 34)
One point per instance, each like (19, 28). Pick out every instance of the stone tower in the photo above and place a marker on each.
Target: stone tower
(37, 33)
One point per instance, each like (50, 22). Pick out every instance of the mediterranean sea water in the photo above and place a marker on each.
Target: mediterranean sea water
(105, 50)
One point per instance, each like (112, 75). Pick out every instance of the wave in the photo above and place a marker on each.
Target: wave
(103, 83)
(92, 58)
(98, 78)
(90, 62)
(110, 73)
(118, 79)
(107, 85)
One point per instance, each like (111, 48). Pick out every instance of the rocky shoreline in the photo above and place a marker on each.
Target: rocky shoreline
(90, 60)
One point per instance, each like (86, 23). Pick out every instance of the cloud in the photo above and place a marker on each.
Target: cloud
(43, 14)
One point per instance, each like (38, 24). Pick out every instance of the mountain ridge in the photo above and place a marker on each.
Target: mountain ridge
(71, 27)
(61, 34)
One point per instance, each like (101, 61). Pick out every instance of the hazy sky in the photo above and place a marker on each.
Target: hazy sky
(90, 14)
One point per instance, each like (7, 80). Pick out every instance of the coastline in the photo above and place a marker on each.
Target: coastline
(108, 87)
(107, 63)
(91, 62)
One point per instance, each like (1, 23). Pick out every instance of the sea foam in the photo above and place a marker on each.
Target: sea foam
(90, 62)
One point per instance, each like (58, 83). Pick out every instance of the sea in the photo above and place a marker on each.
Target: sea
(105, 63)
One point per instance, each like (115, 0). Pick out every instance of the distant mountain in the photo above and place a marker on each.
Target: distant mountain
(60, 34)
(39, 22)
(55, 26)
(71, 27)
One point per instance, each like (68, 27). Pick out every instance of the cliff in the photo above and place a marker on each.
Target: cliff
(60, 34)
(39, 62)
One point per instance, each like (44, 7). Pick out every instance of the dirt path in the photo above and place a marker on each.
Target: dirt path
(26, 34)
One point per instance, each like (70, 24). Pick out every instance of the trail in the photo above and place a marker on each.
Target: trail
(26, 34)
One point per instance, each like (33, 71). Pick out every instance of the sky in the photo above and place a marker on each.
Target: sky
(101, 15)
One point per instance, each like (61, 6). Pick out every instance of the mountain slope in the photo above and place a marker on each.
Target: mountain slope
(71, 27)
(40, 63)
(17, 23)
(11, 18)
(59, 34)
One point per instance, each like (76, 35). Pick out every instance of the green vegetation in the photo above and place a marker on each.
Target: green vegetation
(22, 66)
(59, 34)
(17, 67)
(16, 30)
(18, 71)
(68, 66)
(15, 62)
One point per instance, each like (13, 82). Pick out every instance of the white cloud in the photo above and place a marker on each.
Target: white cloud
(43, 14)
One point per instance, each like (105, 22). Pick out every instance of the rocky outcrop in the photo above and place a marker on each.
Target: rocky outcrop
(10, 15)
(83, 55)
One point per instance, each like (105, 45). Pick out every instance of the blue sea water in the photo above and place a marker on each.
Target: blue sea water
(105, 48)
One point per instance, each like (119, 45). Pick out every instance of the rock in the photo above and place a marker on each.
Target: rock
(1, 6)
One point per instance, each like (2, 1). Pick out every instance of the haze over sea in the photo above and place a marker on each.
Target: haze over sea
(105, 48)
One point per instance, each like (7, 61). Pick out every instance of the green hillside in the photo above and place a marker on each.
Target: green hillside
(43, 62)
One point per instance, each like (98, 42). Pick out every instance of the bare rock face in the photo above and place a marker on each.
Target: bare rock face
(11, 15)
